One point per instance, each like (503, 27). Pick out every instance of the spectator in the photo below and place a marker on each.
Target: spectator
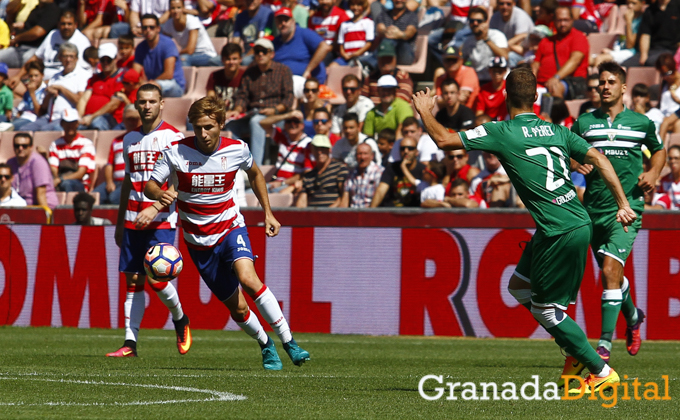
(427, 149)
(326, 21)
(300, 11)
(515, 24)
(254, 22)
(491, 99)
(97, 16)
(310, 103)
(356, 36)
(484, 45)
(295, 156)
(63, 92)
(196, 48)
(625, 47)
(6, 96)
(465, 76)
(570, 47)
(158, 58)
(399, 27)
(323, 185)
(433, 195)
(453, 114)
(354, 103)
(28, 108)
(67, 31)
(458, 167)
(545, 15)
(657, 34)
(559, 113)
(530, 44)
(224, 83)
(492, 184)
(362, 180)
(301, 49)
(322, 124)
(131, 84)
(91, 58)
(387, 65)
(158, 8)
(82, 210)
(459, 196)
(670, 85)
(33, 177)
(100, 107)
(391, 111)
(386, 139)
(586, 16)
(266, 89)
(669, 187)
(344, 150)
(30, 34)
(203, 9)
(71, 157)
(592, 94)
(114, 171)
(642, 105)
(399, 182)
(8, 195)
(126, 52)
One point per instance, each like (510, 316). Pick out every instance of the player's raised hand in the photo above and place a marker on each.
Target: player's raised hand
(626, 216)
(271, 226)
(424, 101)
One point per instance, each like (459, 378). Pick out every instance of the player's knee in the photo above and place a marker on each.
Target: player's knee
(548, 317)
(611, 277)
(522, 296)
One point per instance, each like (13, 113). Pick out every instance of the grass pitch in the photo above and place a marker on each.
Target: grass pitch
(62, 373)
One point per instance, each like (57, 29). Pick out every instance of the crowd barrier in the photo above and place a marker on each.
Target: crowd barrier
(379, 273)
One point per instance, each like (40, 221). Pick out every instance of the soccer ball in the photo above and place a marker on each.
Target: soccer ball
(163, 262)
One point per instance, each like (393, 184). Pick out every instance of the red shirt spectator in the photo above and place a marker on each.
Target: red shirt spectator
(327, 20)
(573, 40)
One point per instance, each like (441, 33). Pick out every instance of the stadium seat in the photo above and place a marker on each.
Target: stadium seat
(673, 140)
(190, 78)
(598, 41)
(334, 81)
(219, 43)
(115, 41)
(275, 200)
(420, 63)
(6, 145)
(90, 134)
(268, 171)
(45, 138)
(175, 112)
(611, 21)
(61, 197)
(574, 106)
(104, 140)
(620, 21)
(202, 74)
(647, 75)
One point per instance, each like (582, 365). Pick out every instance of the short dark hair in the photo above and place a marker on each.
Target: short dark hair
(559, 111)
(149, 87)
(351, 116)
(126, 39)
(479, 10)
(549, 5)
(84, 197)
(520, 86)
(438, 168)
(230, 49)
(594, 76)
(25, 135)
(312, 79)
(4, 165)
(614, 68)
(68, 13)
(388, 134)
(674, 147)
(35, 65)
(91, 52)
(448, 82)
(408, 121)
(666, 60)
(350, 77)
(321, 109)
(560, 6)
(640, 89)
(458, 182)
(150, 16)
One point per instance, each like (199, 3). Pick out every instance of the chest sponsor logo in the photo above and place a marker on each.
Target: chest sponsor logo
(615, 152)
(562, 199)
(206, 183)
(592, 126)
(143, 161)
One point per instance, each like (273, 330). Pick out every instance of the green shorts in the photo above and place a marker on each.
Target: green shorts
(609, 238)
(554, 266)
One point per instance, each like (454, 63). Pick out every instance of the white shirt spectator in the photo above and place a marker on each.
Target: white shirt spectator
(479, 53)
(344, 151)
(353, 35)
(360, 108)
(156, 7)
(656, 116)
(76, 82)
(25, 107)
(203, 44)
(519, 23)
(434, 192)
(14, 200)
(427, 150)
(666, 104)
(48, 50)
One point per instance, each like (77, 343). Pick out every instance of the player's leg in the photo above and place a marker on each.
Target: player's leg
(612, 297)
(520, 282)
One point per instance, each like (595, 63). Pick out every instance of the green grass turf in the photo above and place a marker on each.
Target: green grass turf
(61, 373)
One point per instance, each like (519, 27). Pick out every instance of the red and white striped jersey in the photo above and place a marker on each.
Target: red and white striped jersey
(671, 189)
(140, 154)
(461, 8)
(354, 35)
(294, 157)
(80, 152)
(328, 26)
(116, 159)
(206, 198)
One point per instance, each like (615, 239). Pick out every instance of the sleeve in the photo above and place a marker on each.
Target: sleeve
(40, 52)
(87, 154)
(411, 19)
(647, 23)
(102, 7)
(479, 138)
(341, 33)
(135, 6)
(247, 158)
(41, 173)
(539, 51)
(111, 154)
(140, 54)
(370, 29)
(311, 40)
(580, 43)
(342, 174)
(578, 147)
(161, 169)
(468, 118)
(652, 140)
(387, 175)
(192, 22)
(425, 194)
(498, 38)
(54, 158)
(369, 129)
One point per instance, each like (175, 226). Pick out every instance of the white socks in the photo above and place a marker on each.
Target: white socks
(134, 312)
(271, 311)
(168, 295)
(251, 325)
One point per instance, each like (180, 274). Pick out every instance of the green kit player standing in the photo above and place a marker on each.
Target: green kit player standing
(618, 133)
(535, 154)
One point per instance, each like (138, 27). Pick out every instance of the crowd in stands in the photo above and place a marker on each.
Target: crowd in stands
(75, 66)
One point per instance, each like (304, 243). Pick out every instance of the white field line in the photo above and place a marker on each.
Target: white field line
(214, 395)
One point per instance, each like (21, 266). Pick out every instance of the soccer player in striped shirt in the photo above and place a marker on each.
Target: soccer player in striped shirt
(619, 133)
(143, 223)
(204, 167)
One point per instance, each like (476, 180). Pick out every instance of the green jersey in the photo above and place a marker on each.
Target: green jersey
(621, 141)
(535, 155)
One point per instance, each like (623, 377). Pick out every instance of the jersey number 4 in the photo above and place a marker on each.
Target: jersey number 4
(550, 183)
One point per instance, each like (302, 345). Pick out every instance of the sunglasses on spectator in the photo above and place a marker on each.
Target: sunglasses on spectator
(475, 21)
(259, 50)
(592, 87)
(452, 157)
(148, 27)
(323, 121)
(22, 146)
(3, 176)
(350, 89)
(407, 148)
(308, 90)
(293, 121)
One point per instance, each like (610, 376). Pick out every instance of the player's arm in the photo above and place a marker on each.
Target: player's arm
(153, 191)
(259, 186)
(446, 140)
(625, 215)
(148, 215)
(647, 180)
(344, 202)
(431, 204)
(668, 122)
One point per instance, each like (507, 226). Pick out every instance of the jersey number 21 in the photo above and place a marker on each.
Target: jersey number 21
(550, 183)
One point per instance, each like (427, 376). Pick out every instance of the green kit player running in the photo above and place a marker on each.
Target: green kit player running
(535, 154)
(618, 133)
